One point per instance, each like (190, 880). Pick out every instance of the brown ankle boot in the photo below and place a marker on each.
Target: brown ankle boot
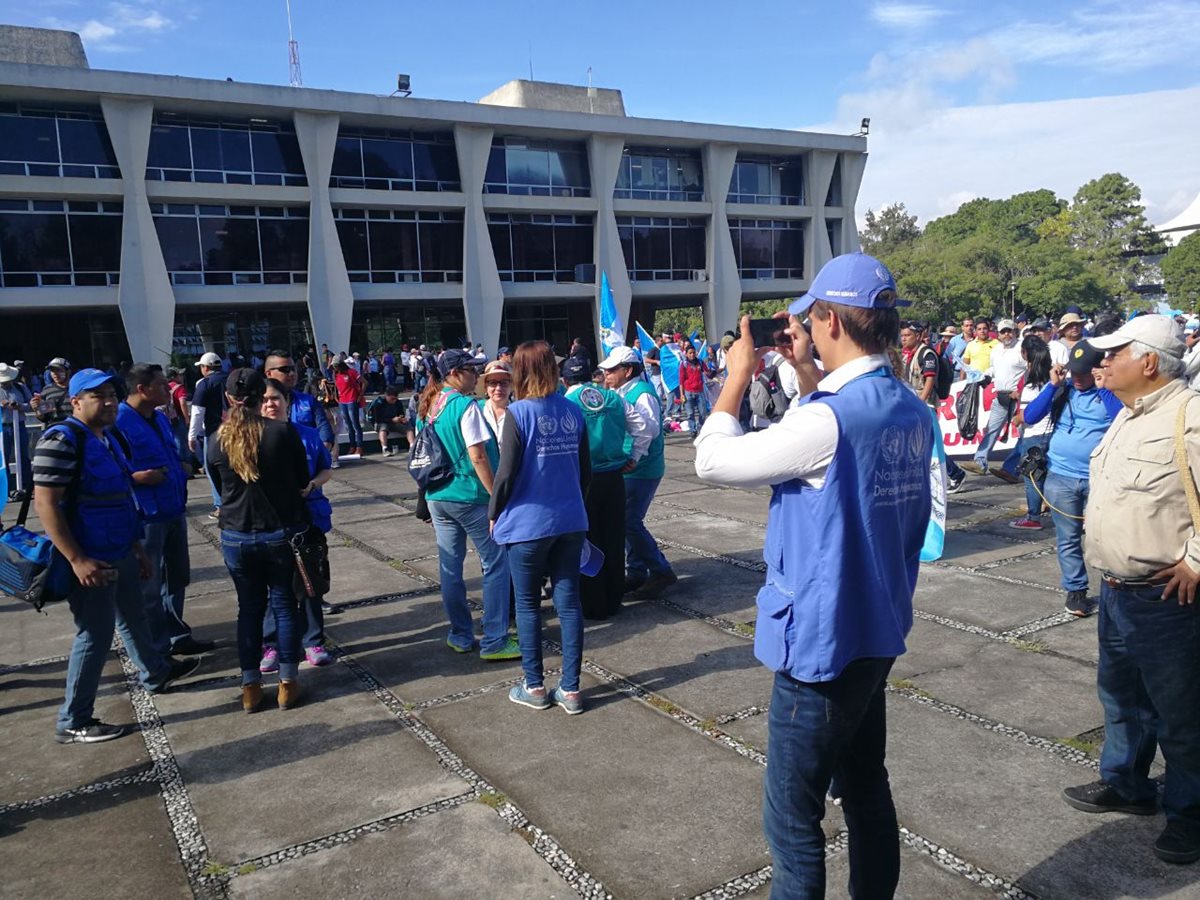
(289, 694)
(251, 696)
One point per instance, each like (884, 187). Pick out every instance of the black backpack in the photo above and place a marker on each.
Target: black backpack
(945, 375)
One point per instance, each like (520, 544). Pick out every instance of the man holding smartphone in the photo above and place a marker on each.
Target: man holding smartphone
(850, 503)
(82, 491)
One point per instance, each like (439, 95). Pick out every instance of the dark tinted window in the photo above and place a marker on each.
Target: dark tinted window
(347, 158)
(284, 244)
(180, 240)
(387, 159)
(276, 152)
(28, 139)
(441, 246)
(34, 242)
(85, 141)
(394, 246)
(502, 246)
(96, 243)
(169, 148)
(230, 244)
(435, 162)
(353, 237)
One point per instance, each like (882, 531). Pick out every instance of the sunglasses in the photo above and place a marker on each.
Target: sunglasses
(499, 384)
(286, 370)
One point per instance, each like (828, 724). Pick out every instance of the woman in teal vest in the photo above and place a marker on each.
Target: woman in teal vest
(538, 514)
(459, 508)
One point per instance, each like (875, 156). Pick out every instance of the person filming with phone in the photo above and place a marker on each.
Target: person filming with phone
(850, 503)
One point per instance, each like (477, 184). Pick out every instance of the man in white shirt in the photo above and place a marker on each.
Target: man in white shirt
(1070, 333)
(1006, 369)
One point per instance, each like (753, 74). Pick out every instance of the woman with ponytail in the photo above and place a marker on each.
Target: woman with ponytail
(261, 472)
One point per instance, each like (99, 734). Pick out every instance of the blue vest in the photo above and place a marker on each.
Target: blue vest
(152, 446)
(546, 499)
(302, 409)
(842, 560)
(318, 461)
(99, 506)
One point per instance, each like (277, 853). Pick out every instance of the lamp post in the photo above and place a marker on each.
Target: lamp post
(1012, 300)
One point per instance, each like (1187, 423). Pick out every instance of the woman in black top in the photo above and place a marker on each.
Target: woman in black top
(261, 472)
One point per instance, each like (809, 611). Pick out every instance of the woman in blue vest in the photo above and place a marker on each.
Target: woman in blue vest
(538, 514)
(310, 623)
(261, 472)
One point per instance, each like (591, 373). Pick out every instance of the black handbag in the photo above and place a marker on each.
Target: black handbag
(429, 464)
(311, 553)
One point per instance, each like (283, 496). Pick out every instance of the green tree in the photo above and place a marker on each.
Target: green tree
(1108, 226)
(1181, 273)
(889, 231)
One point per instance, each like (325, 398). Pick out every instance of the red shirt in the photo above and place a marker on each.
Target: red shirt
(349, 386)
(691, 376)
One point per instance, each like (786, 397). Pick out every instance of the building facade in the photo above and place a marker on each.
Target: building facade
(145, 216)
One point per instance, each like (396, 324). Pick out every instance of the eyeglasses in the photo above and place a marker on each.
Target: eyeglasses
(507, 385)
(1006, 331)
(286, 370)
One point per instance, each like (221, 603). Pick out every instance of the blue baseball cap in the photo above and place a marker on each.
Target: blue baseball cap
(591, 559)
(852, 279)
(89, 380)
(458, 359)
(574, 368)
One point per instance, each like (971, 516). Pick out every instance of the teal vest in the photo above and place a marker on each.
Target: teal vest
(604, 419)
(651, 465)
(466, 486)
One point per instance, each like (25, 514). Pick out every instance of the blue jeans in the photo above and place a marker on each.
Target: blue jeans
(642, 556)
(171, 571)
(1069, 495)
(453, 523)
(1033, 500)
(819, 731)
(97, 611)
(529, 561)
(216, 495)
(998, 417)
(1149, 686)
(694, 404)
(261, 565)
(354, 432)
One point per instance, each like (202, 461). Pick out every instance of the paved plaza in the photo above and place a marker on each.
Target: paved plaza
(408, 773)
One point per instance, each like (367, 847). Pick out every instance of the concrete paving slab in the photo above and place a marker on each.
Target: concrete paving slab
(968, 548)
(359, 508)
(640, 832)
(998, 804)
(714, 535)
(419, 859)
(705, 671)
(1044, 570)
(277, 778)
(30, 635)
(936, 648)
(713, 587)
(967, 597)
(720, 503)
(1043, 694)
(356, 575)
(1076, 639)
(472, 571)
(396, 537)
(403, 644)
(751, 730)
(113, 843)
(32, 765)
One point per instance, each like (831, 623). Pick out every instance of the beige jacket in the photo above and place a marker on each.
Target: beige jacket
(1137, 514)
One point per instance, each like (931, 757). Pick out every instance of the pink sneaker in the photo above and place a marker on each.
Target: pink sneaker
(270, 661)
(1026, 524)
(317, 656)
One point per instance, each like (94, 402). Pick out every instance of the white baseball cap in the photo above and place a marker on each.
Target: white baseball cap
(58, 363)
(1159, 333)
(620, 356)
(209, 359)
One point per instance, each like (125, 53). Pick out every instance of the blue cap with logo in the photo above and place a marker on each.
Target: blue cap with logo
(852, 279)
(89, 380)
(457, 359)
(576, 368)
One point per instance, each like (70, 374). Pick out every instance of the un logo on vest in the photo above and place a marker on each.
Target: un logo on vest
(592, 399)
(547, 425)
(891, 444)
(569, 425)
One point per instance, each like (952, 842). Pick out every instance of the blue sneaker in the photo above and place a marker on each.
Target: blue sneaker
(524, 696)
(570, 701)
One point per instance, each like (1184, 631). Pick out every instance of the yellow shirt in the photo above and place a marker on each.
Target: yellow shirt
(978, 354)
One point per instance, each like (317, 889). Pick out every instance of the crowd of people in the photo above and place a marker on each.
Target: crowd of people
(548, 465)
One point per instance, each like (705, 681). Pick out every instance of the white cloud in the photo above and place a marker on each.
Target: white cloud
(906, 15)
(120, 22)
(93, 31)
(958, 153)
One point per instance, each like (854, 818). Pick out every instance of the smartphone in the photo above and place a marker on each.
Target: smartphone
(769, 333)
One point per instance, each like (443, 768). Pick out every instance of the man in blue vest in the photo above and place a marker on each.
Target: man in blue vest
(850, 502)
(646, 568)
(160, 486)
(610, 421)
(84, 497)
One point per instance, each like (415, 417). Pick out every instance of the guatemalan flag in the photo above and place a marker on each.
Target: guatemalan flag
(644, 338)
(612, 329)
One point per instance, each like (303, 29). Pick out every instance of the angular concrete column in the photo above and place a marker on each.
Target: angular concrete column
(724, 284)
(604, 157)
(817, 251)
(144, 296)
(330, 301)
(483, 295)
(853, 166)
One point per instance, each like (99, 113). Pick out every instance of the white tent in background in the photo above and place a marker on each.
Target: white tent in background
(1182, 225)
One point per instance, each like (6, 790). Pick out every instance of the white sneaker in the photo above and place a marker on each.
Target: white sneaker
(333, 464)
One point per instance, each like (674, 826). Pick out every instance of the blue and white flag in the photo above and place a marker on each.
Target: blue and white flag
(644, 339)
(669, 359)
(612, 329)
(935, 532)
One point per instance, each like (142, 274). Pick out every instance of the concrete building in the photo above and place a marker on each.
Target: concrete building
(144, 215)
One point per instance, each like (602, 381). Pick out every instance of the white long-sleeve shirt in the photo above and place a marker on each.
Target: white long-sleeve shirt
(801, 445)
(647, 408)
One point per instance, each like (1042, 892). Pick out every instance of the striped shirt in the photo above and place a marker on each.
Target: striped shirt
(55, 460)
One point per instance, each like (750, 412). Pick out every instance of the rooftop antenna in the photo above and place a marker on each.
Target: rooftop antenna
(294, 77)
(591, 92)
(531, 61)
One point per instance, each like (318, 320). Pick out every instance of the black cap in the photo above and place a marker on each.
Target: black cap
(458, 359)
(1083, 358)
(246, 384)
(576, 369)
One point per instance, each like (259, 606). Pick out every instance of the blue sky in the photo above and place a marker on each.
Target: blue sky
(1068, 90)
